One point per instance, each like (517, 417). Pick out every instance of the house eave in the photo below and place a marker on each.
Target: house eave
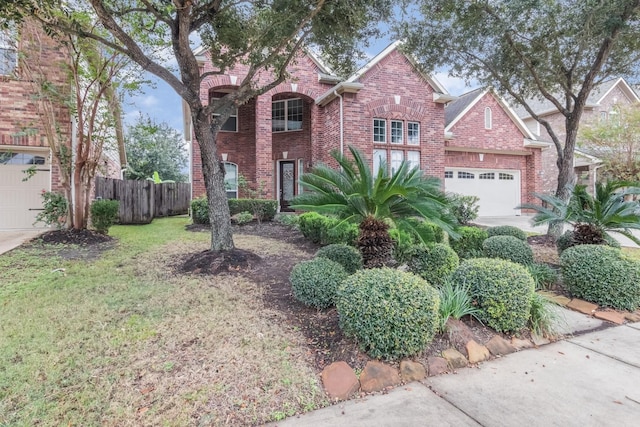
(328, 79)
(487, 151)
(443, 98)
(532, 143)
(339, 89)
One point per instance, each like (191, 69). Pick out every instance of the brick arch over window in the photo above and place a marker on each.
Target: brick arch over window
(404, 108)
(294, 89)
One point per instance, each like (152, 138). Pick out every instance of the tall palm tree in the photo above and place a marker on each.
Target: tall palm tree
(593, 217)
(352, 193)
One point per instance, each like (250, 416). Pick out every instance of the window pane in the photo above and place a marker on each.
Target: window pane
(379, 130)
(278, 116)
(487, 118)
(413, 158)
(294, 114)
(506, 176)
(379, 160)
(487, 175)
(231, 180)
(396, 132)
(413, 133)
(465, 175)
(396, 159)
(448, 174)
(230, 125)
(8, 61)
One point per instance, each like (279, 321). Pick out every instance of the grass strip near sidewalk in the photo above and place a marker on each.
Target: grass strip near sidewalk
(122, 339)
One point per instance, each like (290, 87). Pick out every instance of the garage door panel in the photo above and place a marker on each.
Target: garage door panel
(21, 201)
(498, 190)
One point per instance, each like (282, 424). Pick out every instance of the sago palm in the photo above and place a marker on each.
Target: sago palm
(611, 210)
(353, 193)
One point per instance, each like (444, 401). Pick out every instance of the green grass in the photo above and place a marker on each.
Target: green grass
(124, 339)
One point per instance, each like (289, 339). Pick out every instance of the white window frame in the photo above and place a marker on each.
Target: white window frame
(231, 187)
(8, 51)
(413, 163)
(286, 102)
(233, 115)
(397, 157)
(379, 155)
(413, 136)
(397, 138)
(376, 123)
(488, 118)
(300, 172)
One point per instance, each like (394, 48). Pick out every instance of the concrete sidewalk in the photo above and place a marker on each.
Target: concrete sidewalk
(10, 239)
(589, 380)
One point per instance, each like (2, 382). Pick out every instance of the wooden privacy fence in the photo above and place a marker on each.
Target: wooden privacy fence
(141, 201)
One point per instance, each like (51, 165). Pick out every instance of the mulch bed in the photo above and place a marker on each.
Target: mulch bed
(74, 237)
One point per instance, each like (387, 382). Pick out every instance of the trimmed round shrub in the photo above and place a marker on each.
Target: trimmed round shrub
(502, 290)
(391, 313)
(509, 248)
(347, 256)
(602, 275)
(435, 264)
(315, 282)
(469, 245)
(507, 230)
(242, 218)
(568, 240)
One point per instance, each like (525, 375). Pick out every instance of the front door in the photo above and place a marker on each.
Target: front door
(287, 184)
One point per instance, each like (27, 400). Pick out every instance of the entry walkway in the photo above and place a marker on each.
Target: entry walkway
(10, 239)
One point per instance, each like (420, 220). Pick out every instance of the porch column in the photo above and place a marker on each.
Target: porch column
(264, 148)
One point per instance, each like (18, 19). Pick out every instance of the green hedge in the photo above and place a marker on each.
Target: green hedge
(325, 230)
(507, 230)
(502, 290)
(316, 281)
(509, 248)
(435, 264)
(602, 275)
(104, 213)
(392, 314)
(265, 208)
(469, 245)
(347, 256)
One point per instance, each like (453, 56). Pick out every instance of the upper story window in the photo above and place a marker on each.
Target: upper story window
(487, 118)
(396, 132)
(286, 115)
(231, 125)
(231, 180)
(9, 158)
(8, 52)
(379, 130)
(413, 133)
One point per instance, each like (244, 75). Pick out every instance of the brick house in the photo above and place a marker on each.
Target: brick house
(601, 105)
(490, 153)
(388, 109)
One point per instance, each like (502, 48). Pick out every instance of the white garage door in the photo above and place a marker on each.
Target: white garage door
(498, 190)
(20, 201)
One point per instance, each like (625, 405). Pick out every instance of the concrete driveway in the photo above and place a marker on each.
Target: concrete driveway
(10, 239)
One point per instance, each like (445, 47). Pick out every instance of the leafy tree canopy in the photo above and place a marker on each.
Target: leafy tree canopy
(155, 147)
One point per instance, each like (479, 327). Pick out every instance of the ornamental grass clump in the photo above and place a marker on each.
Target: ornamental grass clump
(602, 275)
(315, 282)
(347, 256)
(391, 313)
(435, 264)
(501, 289)
(509, 248)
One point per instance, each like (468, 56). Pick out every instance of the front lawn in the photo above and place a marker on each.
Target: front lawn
(120, 337)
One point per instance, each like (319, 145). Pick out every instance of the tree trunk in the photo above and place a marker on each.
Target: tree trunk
(213, 173)
(566, 173)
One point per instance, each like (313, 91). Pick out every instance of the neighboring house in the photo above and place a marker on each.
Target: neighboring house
(388, 109)
(23, 143)
(601, 105)
(490, 153)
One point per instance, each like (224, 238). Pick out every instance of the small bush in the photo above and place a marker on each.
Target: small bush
(464, 208)
(469, 245)
(502, 290)
(347, 256)
(602, 275)
(243, 218)
(568, 240)
(543, 318)
(507, 230)
(200, 211)
(313, 226)
(315, 282)
(424, 232)
(391, 313)
(104, 213)
(509, 248)
(339, 232)
(290, 220)
(262, 209)
(54, 209)
(435, 264)
(543, 276)
(403, 244)
(455, 302)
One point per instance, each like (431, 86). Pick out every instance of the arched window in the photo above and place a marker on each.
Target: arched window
(231, 180)
(487, 118)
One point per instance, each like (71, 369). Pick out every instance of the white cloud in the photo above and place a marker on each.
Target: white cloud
(455, 85)
(148, 101)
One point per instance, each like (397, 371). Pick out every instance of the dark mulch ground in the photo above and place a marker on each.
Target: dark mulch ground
(207, 262)
(74, 244)
(74, 237)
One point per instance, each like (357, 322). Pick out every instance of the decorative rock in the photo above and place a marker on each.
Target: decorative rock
(454, 358)
(437, 366)
(477, 353)
(632, 317)
(582, 306)
(459, 335)
(412, 371)
(560, 299)
(539, 340)
(339, 381)
(377, 376)
(610, 316)
(498, 346)
(519, 344)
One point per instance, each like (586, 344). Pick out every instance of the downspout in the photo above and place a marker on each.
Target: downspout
(335, 92)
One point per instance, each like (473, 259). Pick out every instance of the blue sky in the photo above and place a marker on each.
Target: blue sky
(162, 104)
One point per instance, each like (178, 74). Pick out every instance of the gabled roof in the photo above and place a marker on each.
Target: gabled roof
(379, 57)
(461, 106)
(597, 95)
